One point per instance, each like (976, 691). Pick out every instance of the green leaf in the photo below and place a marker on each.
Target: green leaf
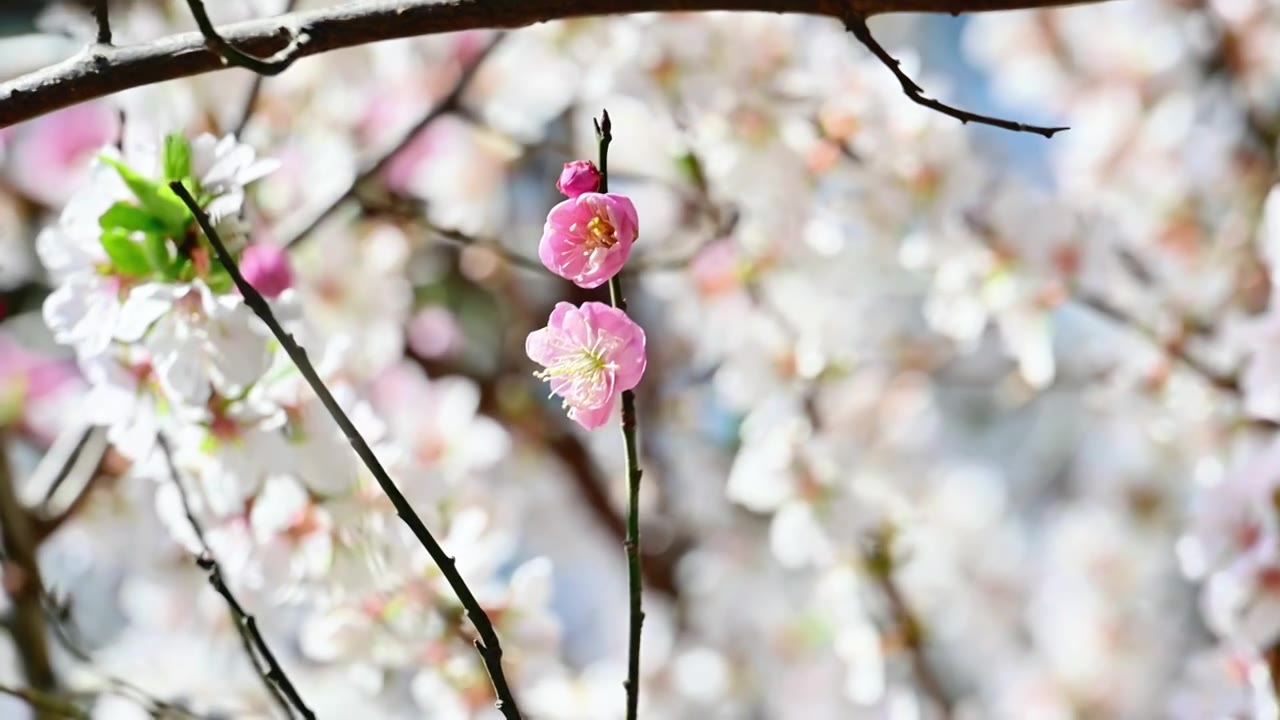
(691, 167)
(126, 256)
(177, 157)
(125, 216)
(218, 279)
(154, 197)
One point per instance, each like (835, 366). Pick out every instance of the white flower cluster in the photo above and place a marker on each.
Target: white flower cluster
(931, 426)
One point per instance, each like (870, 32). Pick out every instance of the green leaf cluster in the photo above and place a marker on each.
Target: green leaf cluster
(148, 237)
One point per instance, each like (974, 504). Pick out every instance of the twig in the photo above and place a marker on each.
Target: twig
(23, 583)
(857, 24)
(451, 101)
(274, 65)
(880, 564)
(1174, 349)
(103, 20)
(460, 239)
(635, 576)
(255, 646)
(246, 110)
(487, 644)
(45, 704)
(350, 24)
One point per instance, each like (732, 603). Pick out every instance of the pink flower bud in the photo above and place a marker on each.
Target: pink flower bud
(591, 354)
(267, 269)
(579, 176)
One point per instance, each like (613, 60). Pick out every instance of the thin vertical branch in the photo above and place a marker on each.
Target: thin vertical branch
(103, 20)
(264, 661)
(487, 644)
(25, 587)
(635, 575)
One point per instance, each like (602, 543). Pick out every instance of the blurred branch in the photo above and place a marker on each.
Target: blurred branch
(880, 564)
(1175, 348)
(857, 24)
(251, 100)
(487, 644)
(45, 704)
(451, 102)
(85, 76)
(24, 585)
(264, 661)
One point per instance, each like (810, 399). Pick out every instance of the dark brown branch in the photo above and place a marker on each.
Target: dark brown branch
(274, 65)
(103, 21)
(857, 24)
(278, 684)
(451, 101)
(487, 644)
(84, 77)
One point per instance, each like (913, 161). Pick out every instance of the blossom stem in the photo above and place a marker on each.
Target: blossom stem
(635, 575)
(487, 643)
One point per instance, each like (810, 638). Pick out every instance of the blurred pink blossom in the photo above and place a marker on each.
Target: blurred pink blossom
(267, 269)
(578, 177)
(434, 332)
(590, 354)
(50, 155)
(588, 238)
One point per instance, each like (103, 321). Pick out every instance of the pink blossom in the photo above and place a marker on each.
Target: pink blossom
(51, 155)
(579, 176)
(591, 354)
(267, 269)
(587, 239)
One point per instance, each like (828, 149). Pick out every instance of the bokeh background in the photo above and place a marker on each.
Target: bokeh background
(939, 421)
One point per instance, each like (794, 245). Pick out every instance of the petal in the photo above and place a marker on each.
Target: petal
(144, 305)
(607, 265)
(544, 346)
(622, 215)
(592, 418)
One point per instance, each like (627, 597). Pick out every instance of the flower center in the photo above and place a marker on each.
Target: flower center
(600, 233)
(581, 375)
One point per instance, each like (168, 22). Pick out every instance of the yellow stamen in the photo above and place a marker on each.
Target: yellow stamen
(601, 233)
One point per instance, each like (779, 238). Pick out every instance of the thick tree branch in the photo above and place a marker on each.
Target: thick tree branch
(87, 76)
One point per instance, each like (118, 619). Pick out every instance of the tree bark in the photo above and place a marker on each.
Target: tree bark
(100, 71)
